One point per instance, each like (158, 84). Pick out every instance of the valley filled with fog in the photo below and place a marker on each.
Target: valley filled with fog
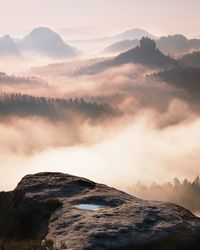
(123, 116)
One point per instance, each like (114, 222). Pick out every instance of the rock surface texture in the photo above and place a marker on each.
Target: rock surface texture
(44, 205)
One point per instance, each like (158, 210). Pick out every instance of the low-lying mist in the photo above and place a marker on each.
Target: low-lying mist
(118, 156)
(182, 192)
(151, 135)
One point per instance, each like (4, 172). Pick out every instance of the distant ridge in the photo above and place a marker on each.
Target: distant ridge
(41, 40)
(177, 44)
(45, 41)
(172, 44)
(134, 34)
(130, 34)
(8, 47)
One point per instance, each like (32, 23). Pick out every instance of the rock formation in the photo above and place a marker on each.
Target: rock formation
(146, 54)
(44, 205)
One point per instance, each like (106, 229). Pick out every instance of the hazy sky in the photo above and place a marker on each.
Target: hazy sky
(90, 18)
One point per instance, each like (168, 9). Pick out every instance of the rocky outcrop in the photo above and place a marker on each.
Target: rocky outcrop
(145, 54)
(44, 205)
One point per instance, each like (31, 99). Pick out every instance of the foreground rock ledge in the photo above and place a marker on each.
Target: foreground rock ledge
(44, 206)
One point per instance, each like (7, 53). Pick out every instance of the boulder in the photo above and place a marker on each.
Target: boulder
(76, 213)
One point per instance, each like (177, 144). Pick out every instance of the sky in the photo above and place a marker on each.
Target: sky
(92, 18)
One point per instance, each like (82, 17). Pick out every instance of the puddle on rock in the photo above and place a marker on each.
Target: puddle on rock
(91, 207)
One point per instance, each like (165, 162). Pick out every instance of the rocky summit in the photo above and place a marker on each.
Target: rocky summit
(76, 213)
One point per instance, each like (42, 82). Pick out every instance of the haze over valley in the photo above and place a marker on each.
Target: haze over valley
(120, 107)
(117, 120)
(99, 125)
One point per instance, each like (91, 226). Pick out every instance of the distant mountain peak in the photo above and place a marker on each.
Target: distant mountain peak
(8, 46)
(7, 36)
(40, 40)
(148, 44)
(48, 42)
(94, 44)
(41, 29)
(147, 54)
(136, 33)
(44, 32)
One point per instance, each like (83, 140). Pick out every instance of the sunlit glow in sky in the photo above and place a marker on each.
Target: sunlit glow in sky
(92, 18)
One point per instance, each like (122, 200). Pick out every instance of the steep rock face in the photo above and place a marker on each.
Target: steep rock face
(44, 205)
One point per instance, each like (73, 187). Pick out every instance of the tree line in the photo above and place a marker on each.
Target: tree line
(52, 108)
(12, 79)
(185, 193)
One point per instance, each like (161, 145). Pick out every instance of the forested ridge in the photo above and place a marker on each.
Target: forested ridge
(52, 108)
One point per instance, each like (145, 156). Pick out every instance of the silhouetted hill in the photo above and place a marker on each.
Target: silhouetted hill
(45, 41)
(192, 59)
(8, 47)
(145, 54)
(175, 44)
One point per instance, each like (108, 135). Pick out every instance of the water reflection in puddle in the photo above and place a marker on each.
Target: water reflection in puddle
(91, 207)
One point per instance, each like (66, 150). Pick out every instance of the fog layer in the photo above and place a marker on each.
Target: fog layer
(150, 135)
